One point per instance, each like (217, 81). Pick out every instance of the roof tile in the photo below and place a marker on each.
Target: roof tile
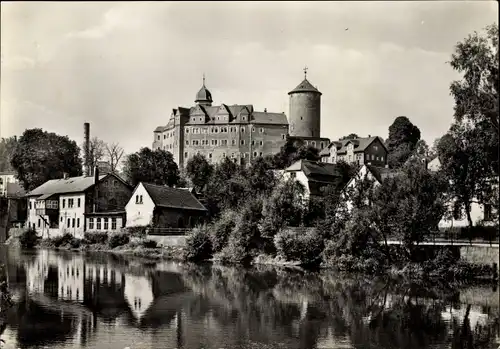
(164, 196)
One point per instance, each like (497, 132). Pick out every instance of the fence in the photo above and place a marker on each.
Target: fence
(475, 234)
(168, 231)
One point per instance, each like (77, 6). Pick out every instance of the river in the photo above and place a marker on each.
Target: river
(73, 300)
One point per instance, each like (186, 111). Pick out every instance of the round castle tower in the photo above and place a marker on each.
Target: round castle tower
(305, 110)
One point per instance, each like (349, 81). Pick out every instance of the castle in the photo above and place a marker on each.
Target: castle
(239, 131)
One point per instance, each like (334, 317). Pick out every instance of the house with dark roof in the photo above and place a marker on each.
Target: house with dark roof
(163, 207)
(368, 150)
(62, 205)
(314, 176)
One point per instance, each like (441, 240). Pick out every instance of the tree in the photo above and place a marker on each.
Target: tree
(41, 156)
(350, 136)
(199, 171)
(114, 155)
(97, 152)
(476, 94)
(260, 177)
(7, 148)
(293, 150)
(403, 138)
(152, 166)
(465, 166)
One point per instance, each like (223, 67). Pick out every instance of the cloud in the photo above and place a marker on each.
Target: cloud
(124, 67)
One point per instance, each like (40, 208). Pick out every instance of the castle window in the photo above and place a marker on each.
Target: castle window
(223, 142)
(313, 143)
(260, 154)
(261, 142)
(223, 155)
(242, 130)
(242, 142)
(73, 225)
(233, 142)
(200, 119)
(253, 129)
(78, 222)
(158, 137)
(187, 142)
(244, 118)
(186, 155)
(164, 136)
(253, 142)
(261, 130)
(187, 130)
(232, 155)
(283, 137)
(254, 153)
(210, 155)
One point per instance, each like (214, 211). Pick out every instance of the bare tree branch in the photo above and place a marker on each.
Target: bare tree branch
(114, 153)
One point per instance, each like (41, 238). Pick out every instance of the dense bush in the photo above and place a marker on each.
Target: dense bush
(96, 238)
(221, 230)
(297, 245)
(138, 231)
(28, 238)
(119, 239)
(233, 253)
(198, 245)
(62, 240)
(149, 244)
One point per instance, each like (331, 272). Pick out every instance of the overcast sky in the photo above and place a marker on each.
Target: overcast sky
(124, 66)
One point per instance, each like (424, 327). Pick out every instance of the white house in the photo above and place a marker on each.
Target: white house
(164, 206)
(71, 279)
(60, 205)
(314, 176)
(5, 178)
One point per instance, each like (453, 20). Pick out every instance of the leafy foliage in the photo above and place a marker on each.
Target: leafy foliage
(41, 156)
(198, 245)
(96, 238)
(29, 238)
(296, 245)
(476, 94)
(152, 166)
(403, 138)
(119, 239)
(7, 149)
(199, 171)
(293, 150)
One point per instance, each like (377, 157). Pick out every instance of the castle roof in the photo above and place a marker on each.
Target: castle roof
(304, 86)
(164, 196)
(203, 95)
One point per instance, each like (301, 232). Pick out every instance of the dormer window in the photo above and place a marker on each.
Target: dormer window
(243, 118)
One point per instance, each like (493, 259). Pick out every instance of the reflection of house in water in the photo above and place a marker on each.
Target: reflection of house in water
(139, 294)
(71, 275)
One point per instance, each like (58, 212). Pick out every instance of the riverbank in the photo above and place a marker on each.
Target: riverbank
(442, 268)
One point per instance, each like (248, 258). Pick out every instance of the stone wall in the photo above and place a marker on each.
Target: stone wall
(305, 114)
(171, 240)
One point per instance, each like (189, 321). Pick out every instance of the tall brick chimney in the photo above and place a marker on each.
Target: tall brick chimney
(86, 149)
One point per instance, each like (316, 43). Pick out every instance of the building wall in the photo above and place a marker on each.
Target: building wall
(175, 218)
(300, 177)
(72, 217)
(305, 114)
(375, 154)
(112, 194)
(477, 215)
(106, 224)
(4, 179)
(139, 214)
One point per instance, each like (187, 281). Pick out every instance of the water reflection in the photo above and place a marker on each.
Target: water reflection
(99, 301)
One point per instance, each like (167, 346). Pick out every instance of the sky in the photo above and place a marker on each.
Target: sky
(123, 67)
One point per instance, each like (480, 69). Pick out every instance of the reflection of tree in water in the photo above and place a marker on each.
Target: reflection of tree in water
(39, 326)
(270, 306)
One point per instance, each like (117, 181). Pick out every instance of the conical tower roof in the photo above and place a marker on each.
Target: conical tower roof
(304, 86)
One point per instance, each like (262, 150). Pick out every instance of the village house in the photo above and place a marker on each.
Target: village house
(68, 205)
(17, 205)
(368, 150)
(6, 177)
(163, 207)
(314, 176)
